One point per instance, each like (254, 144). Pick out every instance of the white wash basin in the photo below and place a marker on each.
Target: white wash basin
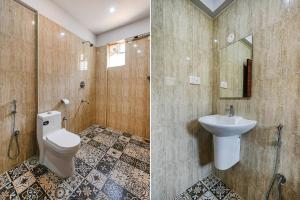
(224, 126)
(226, 133)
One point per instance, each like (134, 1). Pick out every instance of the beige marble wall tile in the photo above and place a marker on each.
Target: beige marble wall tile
(60, 75)
(275, 98)
(17, 81)
(123, 92)
(181, 46)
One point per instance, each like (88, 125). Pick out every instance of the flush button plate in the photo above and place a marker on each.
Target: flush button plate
(45, 123)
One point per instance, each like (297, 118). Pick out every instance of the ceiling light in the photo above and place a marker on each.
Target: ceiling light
(62, 34)
(135, 45)
(112, 10)
(188, 58)
(215, 41)
(33, 22)
(139, 51)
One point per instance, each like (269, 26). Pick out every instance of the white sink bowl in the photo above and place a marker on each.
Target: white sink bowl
(224, 126)
(226, 133)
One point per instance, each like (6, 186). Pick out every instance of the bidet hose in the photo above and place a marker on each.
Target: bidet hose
(14, 134)
(280, 178)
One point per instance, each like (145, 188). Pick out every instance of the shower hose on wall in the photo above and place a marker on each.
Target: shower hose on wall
(15, 134)
(278, 178)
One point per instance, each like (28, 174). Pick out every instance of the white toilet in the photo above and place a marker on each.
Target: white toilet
(57, 146)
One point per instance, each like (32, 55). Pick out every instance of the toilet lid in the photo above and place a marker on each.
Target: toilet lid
(63, 139)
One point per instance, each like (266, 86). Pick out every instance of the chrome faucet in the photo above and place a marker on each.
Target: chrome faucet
(230, 111)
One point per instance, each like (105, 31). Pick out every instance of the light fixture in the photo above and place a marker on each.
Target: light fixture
(112, 10)
(62, 34)
(33, 22)
(188, 58)
(135, 45)
(139, 51)
(215, 41)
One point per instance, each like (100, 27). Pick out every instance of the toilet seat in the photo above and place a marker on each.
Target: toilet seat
(63, 141)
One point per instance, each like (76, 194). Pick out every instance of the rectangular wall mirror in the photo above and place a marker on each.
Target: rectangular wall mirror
(236, 69)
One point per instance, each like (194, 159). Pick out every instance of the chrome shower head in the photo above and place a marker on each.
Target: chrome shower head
(91, 45)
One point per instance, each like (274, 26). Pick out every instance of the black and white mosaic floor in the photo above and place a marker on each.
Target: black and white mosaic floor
(209, 188)
(110, 165)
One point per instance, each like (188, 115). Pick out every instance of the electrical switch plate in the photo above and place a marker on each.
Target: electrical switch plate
(224, 84)
(194, 80)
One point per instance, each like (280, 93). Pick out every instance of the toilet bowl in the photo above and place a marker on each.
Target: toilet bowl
(57, 146)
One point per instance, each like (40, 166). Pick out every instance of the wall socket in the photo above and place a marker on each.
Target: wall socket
(194, 80)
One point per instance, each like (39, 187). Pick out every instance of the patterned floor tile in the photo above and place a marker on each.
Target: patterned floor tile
(124, 138)
(98, 145)
(208, 196)
(137, 152)
(39, 170)
(136, 163)
(114, 153)
(128, 159)
(8, 192)
(114, 132)
(107, 140)
(92, 134)
(133, 173)
(132, 179)
(115, 192)
(102, 196)
(183, 196)
(61, 191)
(107, 132)
(209, 188)
(89, 154)
(142, 166)
(82, 168)
(32, 162)
(49, 181)
(210, 181)
(4, 180)
(23, 182)
(102, 172)
(85, 191)
(85, 139)
(232, 196)
(138, 138)
(119, 177)
(140, 143)
(119, 145)
(17, 171)
(137, 188)
(96, 178)
(99, 129)
(140, 176)
(220, 190)
(74, 181)
(34, 192)
(197, 190)
(127, 134)
(106, 164)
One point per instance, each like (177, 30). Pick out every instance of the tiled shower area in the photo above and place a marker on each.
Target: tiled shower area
(110, 165)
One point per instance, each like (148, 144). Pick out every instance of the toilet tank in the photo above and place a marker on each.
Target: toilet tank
(48, 122)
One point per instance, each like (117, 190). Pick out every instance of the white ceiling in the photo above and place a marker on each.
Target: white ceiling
(95, 14)
(213, 4)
